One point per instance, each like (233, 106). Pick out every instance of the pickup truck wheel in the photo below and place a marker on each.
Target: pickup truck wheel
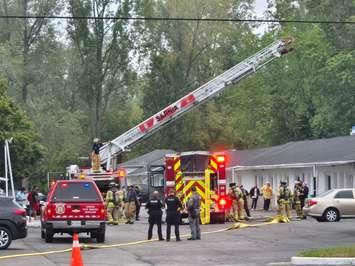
(48, 236)
(100, 237)
(5, 238)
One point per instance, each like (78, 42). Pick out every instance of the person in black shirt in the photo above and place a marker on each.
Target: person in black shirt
(154, 207)
(138, 202)
(172, 214)
(305, 194)
(254, 194)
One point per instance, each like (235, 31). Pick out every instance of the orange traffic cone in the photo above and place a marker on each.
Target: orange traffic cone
(76, 259)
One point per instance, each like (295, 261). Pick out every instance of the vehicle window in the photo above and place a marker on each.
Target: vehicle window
(345, 194)
(134, 180)
(213, 182)
(6, 202)
(75, 192)
(194, 163)
(157, 180)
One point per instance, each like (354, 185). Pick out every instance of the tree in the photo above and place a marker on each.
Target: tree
(340, 35)
(184, 55)
(26, 151)
(21, 38)
(102, 47)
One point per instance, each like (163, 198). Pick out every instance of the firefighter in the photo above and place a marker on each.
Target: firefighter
(113, 203)
(130, 205)
(283, 199)
(297, 195)
(173, 209)
(240, 205)
(154, 207)
(236, 197)
(231, 198)
(95, 155)
(121, 195)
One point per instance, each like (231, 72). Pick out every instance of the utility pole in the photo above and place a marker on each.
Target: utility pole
(8, 169)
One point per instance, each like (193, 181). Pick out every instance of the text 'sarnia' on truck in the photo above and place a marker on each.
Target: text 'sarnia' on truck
(110, 150)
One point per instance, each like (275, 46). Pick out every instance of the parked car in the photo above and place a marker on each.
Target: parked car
(332, 205)
(12, 222)
(74, 206)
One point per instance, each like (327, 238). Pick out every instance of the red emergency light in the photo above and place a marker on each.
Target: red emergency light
(222, 202)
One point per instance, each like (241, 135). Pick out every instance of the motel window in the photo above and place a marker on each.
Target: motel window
(328, 180)
(260, 181)
(349, 181)
(239, 180)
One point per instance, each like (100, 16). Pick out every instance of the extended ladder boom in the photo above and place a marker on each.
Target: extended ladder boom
(198, 96)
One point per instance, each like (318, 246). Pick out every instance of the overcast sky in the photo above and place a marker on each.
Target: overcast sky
(260, 7)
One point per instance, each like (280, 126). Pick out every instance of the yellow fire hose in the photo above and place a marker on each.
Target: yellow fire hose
(238, 225)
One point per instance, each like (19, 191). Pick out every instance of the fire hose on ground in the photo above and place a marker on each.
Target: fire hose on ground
(238, 225)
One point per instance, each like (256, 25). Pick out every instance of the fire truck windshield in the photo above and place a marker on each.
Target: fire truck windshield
(194, 163)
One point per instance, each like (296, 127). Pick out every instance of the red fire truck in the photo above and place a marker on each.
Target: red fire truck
(206, 172)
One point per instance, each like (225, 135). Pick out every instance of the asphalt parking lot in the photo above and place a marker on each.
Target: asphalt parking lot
(263, 245)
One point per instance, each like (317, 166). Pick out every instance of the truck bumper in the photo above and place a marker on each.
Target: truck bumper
(75, 226)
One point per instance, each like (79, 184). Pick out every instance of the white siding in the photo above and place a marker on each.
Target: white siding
(340, 176)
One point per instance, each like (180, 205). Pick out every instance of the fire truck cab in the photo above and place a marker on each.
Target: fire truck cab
(205, 171)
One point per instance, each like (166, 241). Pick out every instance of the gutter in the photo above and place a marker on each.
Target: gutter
(288, 165)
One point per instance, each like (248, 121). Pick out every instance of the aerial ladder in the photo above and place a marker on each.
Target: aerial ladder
(214, 87)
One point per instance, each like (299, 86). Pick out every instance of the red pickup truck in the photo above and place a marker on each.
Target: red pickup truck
(74, 206)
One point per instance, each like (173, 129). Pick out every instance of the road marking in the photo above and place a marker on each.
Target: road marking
(35, 254)
(238, 225)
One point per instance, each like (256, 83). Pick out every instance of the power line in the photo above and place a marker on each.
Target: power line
(181, 19)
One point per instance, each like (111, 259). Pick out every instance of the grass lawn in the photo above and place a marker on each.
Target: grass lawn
(339, 252)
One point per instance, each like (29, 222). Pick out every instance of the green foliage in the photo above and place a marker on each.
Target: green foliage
(25, 151)
(93, 78)
(101, 50)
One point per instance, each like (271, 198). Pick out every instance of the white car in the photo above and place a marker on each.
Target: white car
(332, 205)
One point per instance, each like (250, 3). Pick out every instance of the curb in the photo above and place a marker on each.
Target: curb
(307, 261)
